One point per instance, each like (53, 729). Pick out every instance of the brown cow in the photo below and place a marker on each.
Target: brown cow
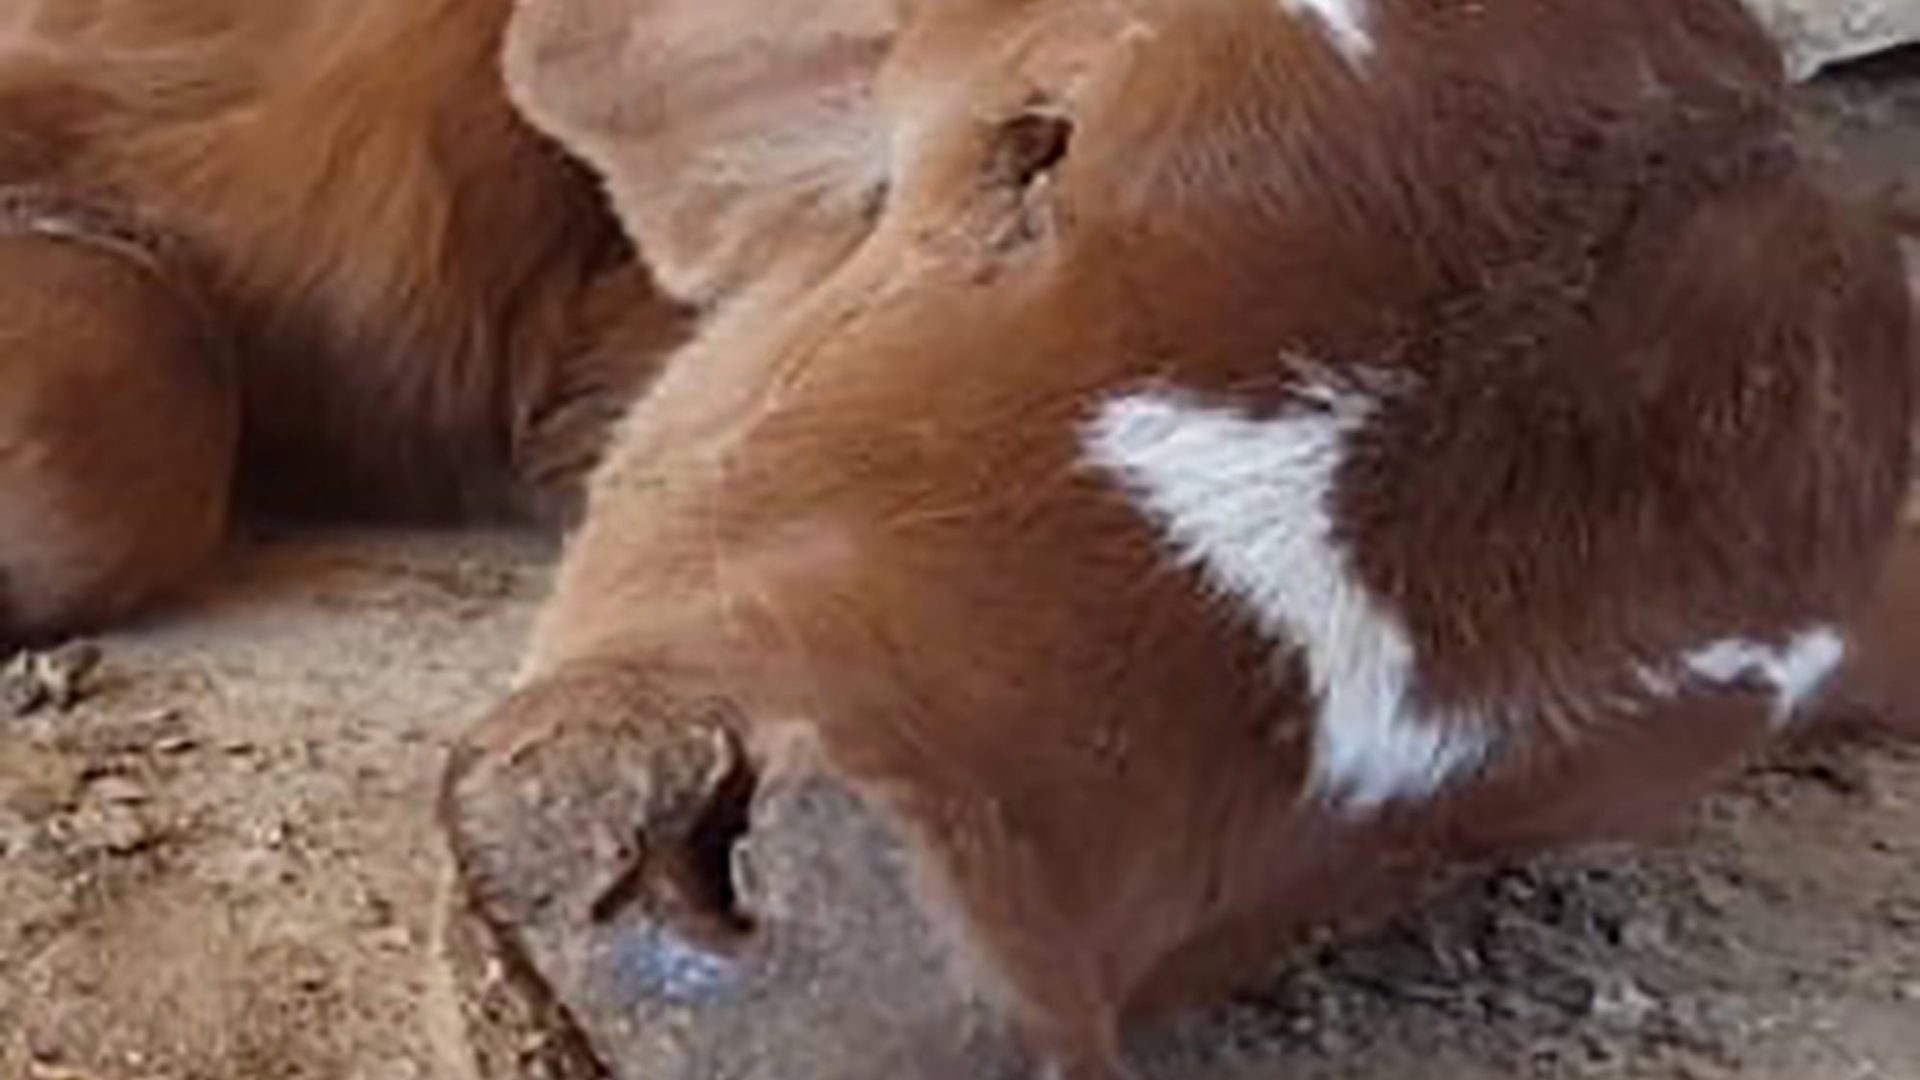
(1158, 475)
(310, 237)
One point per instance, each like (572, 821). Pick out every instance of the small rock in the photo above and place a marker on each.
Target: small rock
(310, 981)
(1899, 913)
(118, 791)
(113, 829)
(1819, 32)
(1622, 1005)
(16, 835)
(375, 911)
(271, 834)
(1717, 893)
(175, 745)
(1644, 934)
(58, 678)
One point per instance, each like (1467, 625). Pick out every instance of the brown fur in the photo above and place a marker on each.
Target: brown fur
(430, 312)
(1645, 385)
(118, 417)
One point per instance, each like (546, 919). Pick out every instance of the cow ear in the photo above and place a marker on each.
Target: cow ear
(735, 138)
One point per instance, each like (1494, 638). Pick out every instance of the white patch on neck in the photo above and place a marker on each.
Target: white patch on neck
(1794, 671)
(1345, 22)
(1248, 503)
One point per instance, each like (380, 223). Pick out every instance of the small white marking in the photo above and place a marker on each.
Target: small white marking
(1794, 671)
(1248, 503)
(1345, 22)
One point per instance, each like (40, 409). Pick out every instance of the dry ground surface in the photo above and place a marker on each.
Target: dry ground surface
(218, 860)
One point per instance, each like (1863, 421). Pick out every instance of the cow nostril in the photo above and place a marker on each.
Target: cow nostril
(1028, 146)
(683, 875)
(711, 844)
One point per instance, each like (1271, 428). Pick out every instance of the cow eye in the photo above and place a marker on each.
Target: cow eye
(1025, 147)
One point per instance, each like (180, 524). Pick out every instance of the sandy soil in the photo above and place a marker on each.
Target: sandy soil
(221, 863)
(217, 862)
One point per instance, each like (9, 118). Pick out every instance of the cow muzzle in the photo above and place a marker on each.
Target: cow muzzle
(658, 908)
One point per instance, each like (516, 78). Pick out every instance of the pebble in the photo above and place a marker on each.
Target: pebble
(1644, 934)
(58, 678)
(271, 834)
(115, 829)
(175, 745)
(119, 791)
(1900, 913)
(1621, 1004)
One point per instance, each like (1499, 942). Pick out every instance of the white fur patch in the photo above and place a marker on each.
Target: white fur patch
(1794, 671)
(1345, 22)
(1248, 503)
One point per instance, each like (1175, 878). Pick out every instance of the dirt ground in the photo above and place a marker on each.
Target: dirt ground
(218, 862)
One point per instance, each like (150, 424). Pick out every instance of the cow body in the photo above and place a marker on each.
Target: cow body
(1192, 470)
(403, 288)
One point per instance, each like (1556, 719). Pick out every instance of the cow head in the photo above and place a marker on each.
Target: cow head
(1156, 475)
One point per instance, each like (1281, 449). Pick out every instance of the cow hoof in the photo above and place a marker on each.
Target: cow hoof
(673, 915)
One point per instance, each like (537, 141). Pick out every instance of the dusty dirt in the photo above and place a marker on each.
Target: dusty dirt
(217, 860)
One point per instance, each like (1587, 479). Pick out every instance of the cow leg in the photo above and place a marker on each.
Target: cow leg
(687, 909)
(118, 421)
